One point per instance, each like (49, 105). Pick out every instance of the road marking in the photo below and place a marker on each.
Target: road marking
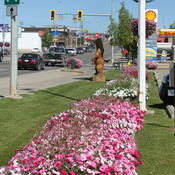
(163, 66)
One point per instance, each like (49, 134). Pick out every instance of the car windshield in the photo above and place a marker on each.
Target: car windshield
(27, 56)
(70, 49)
(56, 49)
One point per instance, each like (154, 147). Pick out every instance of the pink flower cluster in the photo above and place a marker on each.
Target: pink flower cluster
(95, 137)
(151, 65)
(77, 62)
(150, 27)
(132, 71)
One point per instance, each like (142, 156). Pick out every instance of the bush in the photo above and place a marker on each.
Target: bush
(78, 62)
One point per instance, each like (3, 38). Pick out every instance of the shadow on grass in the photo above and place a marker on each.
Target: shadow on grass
(84, 78)
(158, 106)
(70, 98)
(156, 125)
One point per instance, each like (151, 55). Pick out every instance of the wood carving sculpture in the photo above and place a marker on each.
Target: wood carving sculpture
(98, 58)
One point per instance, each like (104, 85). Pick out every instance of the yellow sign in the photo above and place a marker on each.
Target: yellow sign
(151, 14)
(167, 32)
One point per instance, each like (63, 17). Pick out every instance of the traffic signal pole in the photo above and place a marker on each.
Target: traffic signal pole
(112, 16)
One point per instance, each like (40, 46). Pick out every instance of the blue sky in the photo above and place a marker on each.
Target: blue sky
(37, 12)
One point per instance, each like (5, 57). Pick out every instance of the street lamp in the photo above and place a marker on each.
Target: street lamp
(141, 54)
(146, 0)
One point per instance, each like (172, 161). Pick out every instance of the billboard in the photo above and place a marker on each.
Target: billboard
(151, 41)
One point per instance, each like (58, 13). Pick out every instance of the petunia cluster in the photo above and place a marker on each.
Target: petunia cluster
(126, 87)
(96, 136)
(149, 25)
(77, 62)
(151, 65)
(132, 71)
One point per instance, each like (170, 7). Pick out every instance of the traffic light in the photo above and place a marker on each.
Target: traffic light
(52, 15)
(80, 15)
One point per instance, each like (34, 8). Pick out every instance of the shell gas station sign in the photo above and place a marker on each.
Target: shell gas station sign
(152, 15)
(151, 42)
(167, 33)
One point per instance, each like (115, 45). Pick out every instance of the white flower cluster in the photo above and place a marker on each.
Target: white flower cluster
(112, 89)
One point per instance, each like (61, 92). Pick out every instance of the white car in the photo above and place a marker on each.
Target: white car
(35, 50)
(71, 51)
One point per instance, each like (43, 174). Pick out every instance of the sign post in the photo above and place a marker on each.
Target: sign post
(12, 10)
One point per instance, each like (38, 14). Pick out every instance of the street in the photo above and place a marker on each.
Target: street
(32, 80)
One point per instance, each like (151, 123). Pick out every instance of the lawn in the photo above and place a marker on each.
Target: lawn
(20, 119)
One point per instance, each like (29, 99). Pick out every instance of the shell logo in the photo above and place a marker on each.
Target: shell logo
(150, 15)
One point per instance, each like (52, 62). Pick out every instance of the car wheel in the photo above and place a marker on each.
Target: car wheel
(52, 64)
(43, 67)
(46, 64)
(38, 67)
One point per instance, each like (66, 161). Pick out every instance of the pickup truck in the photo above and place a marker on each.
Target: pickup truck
(55, 55)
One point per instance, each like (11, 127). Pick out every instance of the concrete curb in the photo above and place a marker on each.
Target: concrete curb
(73, 70)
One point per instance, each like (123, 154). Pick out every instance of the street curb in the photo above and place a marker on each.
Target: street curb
(73, 70)
(169, 108)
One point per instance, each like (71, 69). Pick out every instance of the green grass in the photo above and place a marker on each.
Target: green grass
(155, 142)
(21, 119)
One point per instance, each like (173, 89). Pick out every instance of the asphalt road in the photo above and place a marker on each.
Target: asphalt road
(86, 58)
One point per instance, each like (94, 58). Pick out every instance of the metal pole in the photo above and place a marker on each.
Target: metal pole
(142, 69)
(14, 49)
(112, 16)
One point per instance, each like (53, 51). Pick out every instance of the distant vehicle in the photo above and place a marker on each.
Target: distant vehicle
(80, 50)
(56, 55)
(166, 94)
(88, 49)
(5, 51)
(71, 51)
(31, 61)
(35, 50)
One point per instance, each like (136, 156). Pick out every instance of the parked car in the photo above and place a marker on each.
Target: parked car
(80, 50)
(31, 61)
(35, 50)
(71, 51)
(166, 93)
(56, 55)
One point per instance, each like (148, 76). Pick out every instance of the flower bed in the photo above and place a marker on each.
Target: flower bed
(77, 62)
(94, 137)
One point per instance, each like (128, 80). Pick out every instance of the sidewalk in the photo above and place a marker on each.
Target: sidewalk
(28, 83)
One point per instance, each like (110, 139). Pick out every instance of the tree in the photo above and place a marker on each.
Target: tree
(47, 39)
(172, 26)
(112, 32)
(124, 34)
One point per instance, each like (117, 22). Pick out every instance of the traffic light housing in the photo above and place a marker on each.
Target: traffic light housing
(80, 15)
(52, 15)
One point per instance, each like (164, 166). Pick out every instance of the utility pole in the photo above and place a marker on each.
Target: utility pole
(112, 16)
(14, 48)
(141, 51)
(12, 11)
